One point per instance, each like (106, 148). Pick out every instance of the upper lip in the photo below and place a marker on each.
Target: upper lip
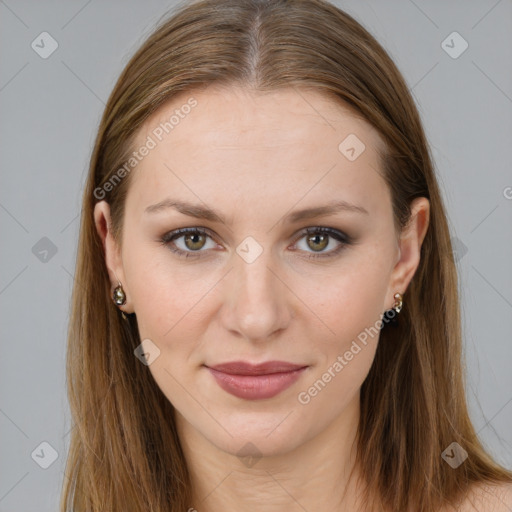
(246, 368)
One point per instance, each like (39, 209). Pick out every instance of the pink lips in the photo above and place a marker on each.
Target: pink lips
(255, 382)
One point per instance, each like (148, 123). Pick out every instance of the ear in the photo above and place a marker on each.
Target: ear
(410, 242)
(112, 251)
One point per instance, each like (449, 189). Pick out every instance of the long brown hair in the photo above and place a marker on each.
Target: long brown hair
(124, 451)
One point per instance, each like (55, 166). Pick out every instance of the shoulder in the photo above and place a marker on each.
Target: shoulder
(484, 497)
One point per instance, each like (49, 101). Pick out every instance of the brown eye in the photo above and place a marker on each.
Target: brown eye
(190, 242)
(318, 242)
(187, 241)
(194, 241)
(319, 238)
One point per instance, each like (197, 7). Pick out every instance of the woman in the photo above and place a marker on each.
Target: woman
(266, 313)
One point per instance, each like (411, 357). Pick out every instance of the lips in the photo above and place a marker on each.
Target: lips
(245, 368)
(256, 381)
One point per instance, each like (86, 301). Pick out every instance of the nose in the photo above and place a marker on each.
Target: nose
(257, 301)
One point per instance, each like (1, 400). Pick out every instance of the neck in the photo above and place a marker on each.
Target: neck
(319, 474)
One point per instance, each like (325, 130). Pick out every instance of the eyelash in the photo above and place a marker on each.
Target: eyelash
(344, 239)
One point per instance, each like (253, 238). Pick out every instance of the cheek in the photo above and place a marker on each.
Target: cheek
(351, 300)
(333, 387)
(351, 309)
(160, 293)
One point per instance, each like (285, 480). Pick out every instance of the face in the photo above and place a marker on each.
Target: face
(254, 281)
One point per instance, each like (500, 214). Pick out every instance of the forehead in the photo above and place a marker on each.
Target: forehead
(227, 115)
(221, 140)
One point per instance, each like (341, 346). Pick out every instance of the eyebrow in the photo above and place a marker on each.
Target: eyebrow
(205, 213)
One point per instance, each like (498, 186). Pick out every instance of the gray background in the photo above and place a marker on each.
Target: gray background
(51, 109)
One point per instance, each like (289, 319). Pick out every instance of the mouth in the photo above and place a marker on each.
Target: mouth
(256, 381)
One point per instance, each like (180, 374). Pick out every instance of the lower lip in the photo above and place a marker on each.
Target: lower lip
(256, 387)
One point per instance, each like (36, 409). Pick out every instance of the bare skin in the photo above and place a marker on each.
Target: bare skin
(486, 498)
(255, 158)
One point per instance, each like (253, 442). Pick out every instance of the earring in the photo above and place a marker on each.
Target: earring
(397, 306)
(390, 316)
(118, 296)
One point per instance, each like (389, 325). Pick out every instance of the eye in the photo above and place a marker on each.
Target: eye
(195, 239)
(318, 238)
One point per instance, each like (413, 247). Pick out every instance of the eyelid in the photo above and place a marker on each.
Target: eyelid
(344, 238)
(168, 238)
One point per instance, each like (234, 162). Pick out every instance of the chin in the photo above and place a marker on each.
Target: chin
(262, 433)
